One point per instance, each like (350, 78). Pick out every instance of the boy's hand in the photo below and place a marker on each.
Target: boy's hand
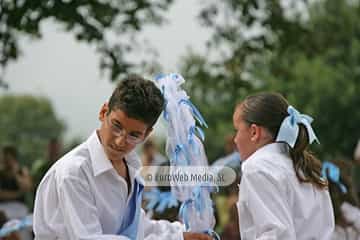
(196, 236)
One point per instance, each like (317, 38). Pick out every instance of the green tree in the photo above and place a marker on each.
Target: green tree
(91, 21)
(28, 123)
(323, 78)
(307, 50)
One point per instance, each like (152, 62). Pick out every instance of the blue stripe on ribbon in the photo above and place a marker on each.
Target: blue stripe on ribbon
(200, 133)
(159, 76)
(165, 112)
(197, 115)
(178, 149)
(198, 200)
(213, 234)
(183, 213)
(195, 146)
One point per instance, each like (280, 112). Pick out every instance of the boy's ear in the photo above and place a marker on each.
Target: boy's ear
(103, 111)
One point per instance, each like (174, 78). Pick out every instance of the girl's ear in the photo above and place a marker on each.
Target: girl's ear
(259, 134)
(255, 132)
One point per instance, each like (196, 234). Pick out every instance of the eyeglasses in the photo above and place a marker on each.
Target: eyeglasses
(119, 131)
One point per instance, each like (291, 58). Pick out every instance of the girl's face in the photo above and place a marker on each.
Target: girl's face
(244, 138)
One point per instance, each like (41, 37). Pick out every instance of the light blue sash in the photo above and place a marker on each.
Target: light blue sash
(130, 223)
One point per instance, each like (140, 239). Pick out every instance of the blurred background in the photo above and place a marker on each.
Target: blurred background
(60, 60)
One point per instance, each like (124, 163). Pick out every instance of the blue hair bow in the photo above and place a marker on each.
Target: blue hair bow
(332, 172)
(289, 129)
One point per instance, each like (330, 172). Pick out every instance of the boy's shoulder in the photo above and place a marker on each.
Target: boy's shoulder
(73, 164)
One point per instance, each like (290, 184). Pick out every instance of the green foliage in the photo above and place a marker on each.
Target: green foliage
(322, 77)
(307, 50)
(28, 123)
(91, 21)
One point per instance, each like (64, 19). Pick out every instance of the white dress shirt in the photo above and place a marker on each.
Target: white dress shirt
(273, 204)
(83, 197)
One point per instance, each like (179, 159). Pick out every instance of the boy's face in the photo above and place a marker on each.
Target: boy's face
(120, 134)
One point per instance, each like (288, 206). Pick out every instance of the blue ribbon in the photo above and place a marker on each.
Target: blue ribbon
(200, 133)
(195, 112)
(159, 76)
(15, 225)
(289, 129)
(191, 141)
(198, 199)
(332, 172)
(165, 112)
(179, 148)
(213, 234)
(183, 213)
(192, 131)
(174, 76)
(152, 197)
(199, 203)
(166, 200)
(162, 199)
(187, 149)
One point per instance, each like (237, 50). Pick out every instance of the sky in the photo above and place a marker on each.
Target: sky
(67, 72)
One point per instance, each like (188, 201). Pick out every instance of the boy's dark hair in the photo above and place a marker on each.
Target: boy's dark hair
(138, 98)
(10, 150)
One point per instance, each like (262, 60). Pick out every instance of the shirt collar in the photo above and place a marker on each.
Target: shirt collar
(100, 161)
(272, 148)
(133, 160)
(275, 147)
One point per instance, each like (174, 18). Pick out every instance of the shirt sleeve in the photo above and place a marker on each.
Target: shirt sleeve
(162, 229)
(263, 210)
(77, 206)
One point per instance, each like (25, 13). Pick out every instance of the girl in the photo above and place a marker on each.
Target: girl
(282, 195)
